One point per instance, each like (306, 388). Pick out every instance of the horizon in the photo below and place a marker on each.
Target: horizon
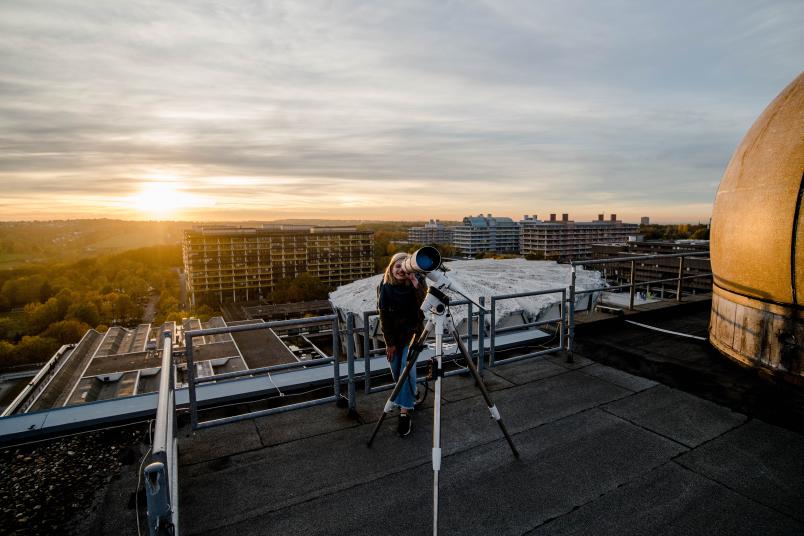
(390, 112)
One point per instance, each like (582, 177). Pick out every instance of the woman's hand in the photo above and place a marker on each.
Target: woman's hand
(413, 279)
(389, 352)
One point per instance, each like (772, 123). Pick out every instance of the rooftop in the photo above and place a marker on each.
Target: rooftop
(685, 446)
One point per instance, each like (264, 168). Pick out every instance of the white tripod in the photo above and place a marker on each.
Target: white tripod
(438, 318)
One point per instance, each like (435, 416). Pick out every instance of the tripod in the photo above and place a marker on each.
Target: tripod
(438, 318)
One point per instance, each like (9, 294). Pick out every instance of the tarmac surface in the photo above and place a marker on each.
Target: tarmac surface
(602, 452)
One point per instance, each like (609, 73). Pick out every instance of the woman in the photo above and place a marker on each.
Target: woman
(399, 299)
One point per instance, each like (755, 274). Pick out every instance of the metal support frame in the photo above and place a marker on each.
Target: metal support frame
(192, 382)
(161, 475)
(493, 331)
(631, 284)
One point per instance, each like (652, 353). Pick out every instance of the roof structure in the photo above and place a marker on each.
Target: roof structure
(603, 450)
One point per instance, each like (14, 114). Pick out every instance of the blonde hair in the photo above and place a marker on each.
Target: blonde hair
(389, 277)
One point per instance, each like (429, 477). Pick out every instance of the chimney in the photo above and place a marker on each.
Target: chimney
(614, 217)
(565, 218)
(600, 217)
(552, 217)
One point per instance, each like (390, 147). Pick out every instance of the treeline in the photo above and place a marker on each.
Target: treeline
(45, 307)
(684, 231)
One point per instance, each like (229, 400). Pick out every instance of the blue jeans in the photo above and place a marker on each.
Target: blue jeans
(406, 398)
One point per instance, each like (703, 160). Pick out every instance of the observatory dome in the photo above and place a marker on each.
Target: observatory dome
(757, 242)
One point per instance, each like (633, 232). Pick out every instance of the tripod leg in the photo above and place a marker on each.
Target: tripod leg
(495, 414)
(417, 343)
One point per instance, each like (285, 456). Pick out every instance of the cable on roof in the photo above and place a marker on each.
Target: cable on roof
(696, 337)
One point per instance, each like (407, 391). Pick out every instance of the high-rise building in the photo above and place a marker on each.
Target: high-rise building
(225, 264)
(433, 232)
(570, 240)
(480, 234)
(644, 221)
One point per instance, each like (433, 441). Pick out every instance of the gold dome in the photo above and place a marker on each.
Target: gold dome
(757, 241)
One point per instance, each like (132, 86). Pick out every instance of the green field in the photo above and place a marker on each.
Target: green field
(129, 241)
(9, 261)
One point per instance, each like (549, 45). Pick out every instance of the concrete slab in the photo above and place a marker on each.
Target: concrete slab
(758, 460)
(308, 422)
(463, 386)
(677, 415)
(578, 361)
(619, 378)
(671, 500)
(522, 372)
(217, 442)
(553, 398)
(483, 490)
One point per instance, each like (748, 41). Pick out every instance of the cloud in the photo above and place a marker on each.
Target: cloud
(326, 108)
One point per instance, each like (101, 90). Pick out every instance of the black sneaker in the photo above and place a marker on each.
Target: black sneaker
(404, 425)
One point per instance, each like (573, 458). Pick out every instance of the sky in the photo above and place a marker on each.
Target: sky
(408, 110)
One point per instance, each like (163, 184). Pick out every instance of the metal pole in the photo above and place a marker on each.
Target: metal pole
(632, 288)
(469, 327)
(492, 330)
(571, 317)
(336, 355)
(188, 349)
(680, 275)
(350, 359)
(366, 354)
(437, 417)
(562, 323)
(481, 334)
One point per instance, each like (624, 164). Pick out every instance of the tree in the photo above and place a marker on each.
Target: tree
(66, 331)
(86, 312)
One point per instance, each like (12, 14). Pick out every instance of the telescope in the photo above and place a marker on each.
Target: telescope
(423, 260)
(427, 261)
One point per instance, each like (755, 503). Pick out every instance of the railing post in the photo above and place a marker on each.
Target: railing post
(188, 352)
(469, 328)
(350, 359)
(366, 354)
(679, 288)
(481, 332)
(632, 288)
(562, 323)
(492, 330)
(336, 357)
(571, 317)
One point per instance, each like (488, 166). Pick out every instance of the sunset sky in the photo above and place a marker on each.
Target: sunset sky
(382, 110)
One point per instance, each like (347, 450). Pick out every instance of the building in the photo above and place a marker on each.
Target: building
(226, 264)
(480, 234)
(645, 220)
(570, 240)
(619, 273)
(433, 232)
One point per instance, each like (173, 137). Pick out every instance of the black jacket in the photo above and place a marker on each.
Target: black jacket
(400, 313)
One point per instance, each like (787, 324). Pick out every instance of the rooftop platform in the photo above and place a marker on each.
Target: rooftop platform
(602, 451)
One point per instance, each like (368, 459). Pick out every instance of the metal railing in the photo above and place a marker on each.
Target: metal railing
(632, 285)
(494, 330)
(161, 475)
(193, 382)
(368, 353)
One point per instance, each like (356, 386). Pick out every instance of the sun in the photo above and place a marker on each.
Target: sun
(156, 199)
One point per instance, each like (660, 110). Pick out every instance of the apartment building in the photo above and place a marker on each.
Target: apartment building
(570, 240)
(226, 263)
(480, 234)
(433, 232)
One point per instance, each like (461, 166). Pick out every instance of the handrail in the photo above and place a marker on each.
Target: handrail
(192, 381)
(161, 475)
(641, 258)
(493, 334)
